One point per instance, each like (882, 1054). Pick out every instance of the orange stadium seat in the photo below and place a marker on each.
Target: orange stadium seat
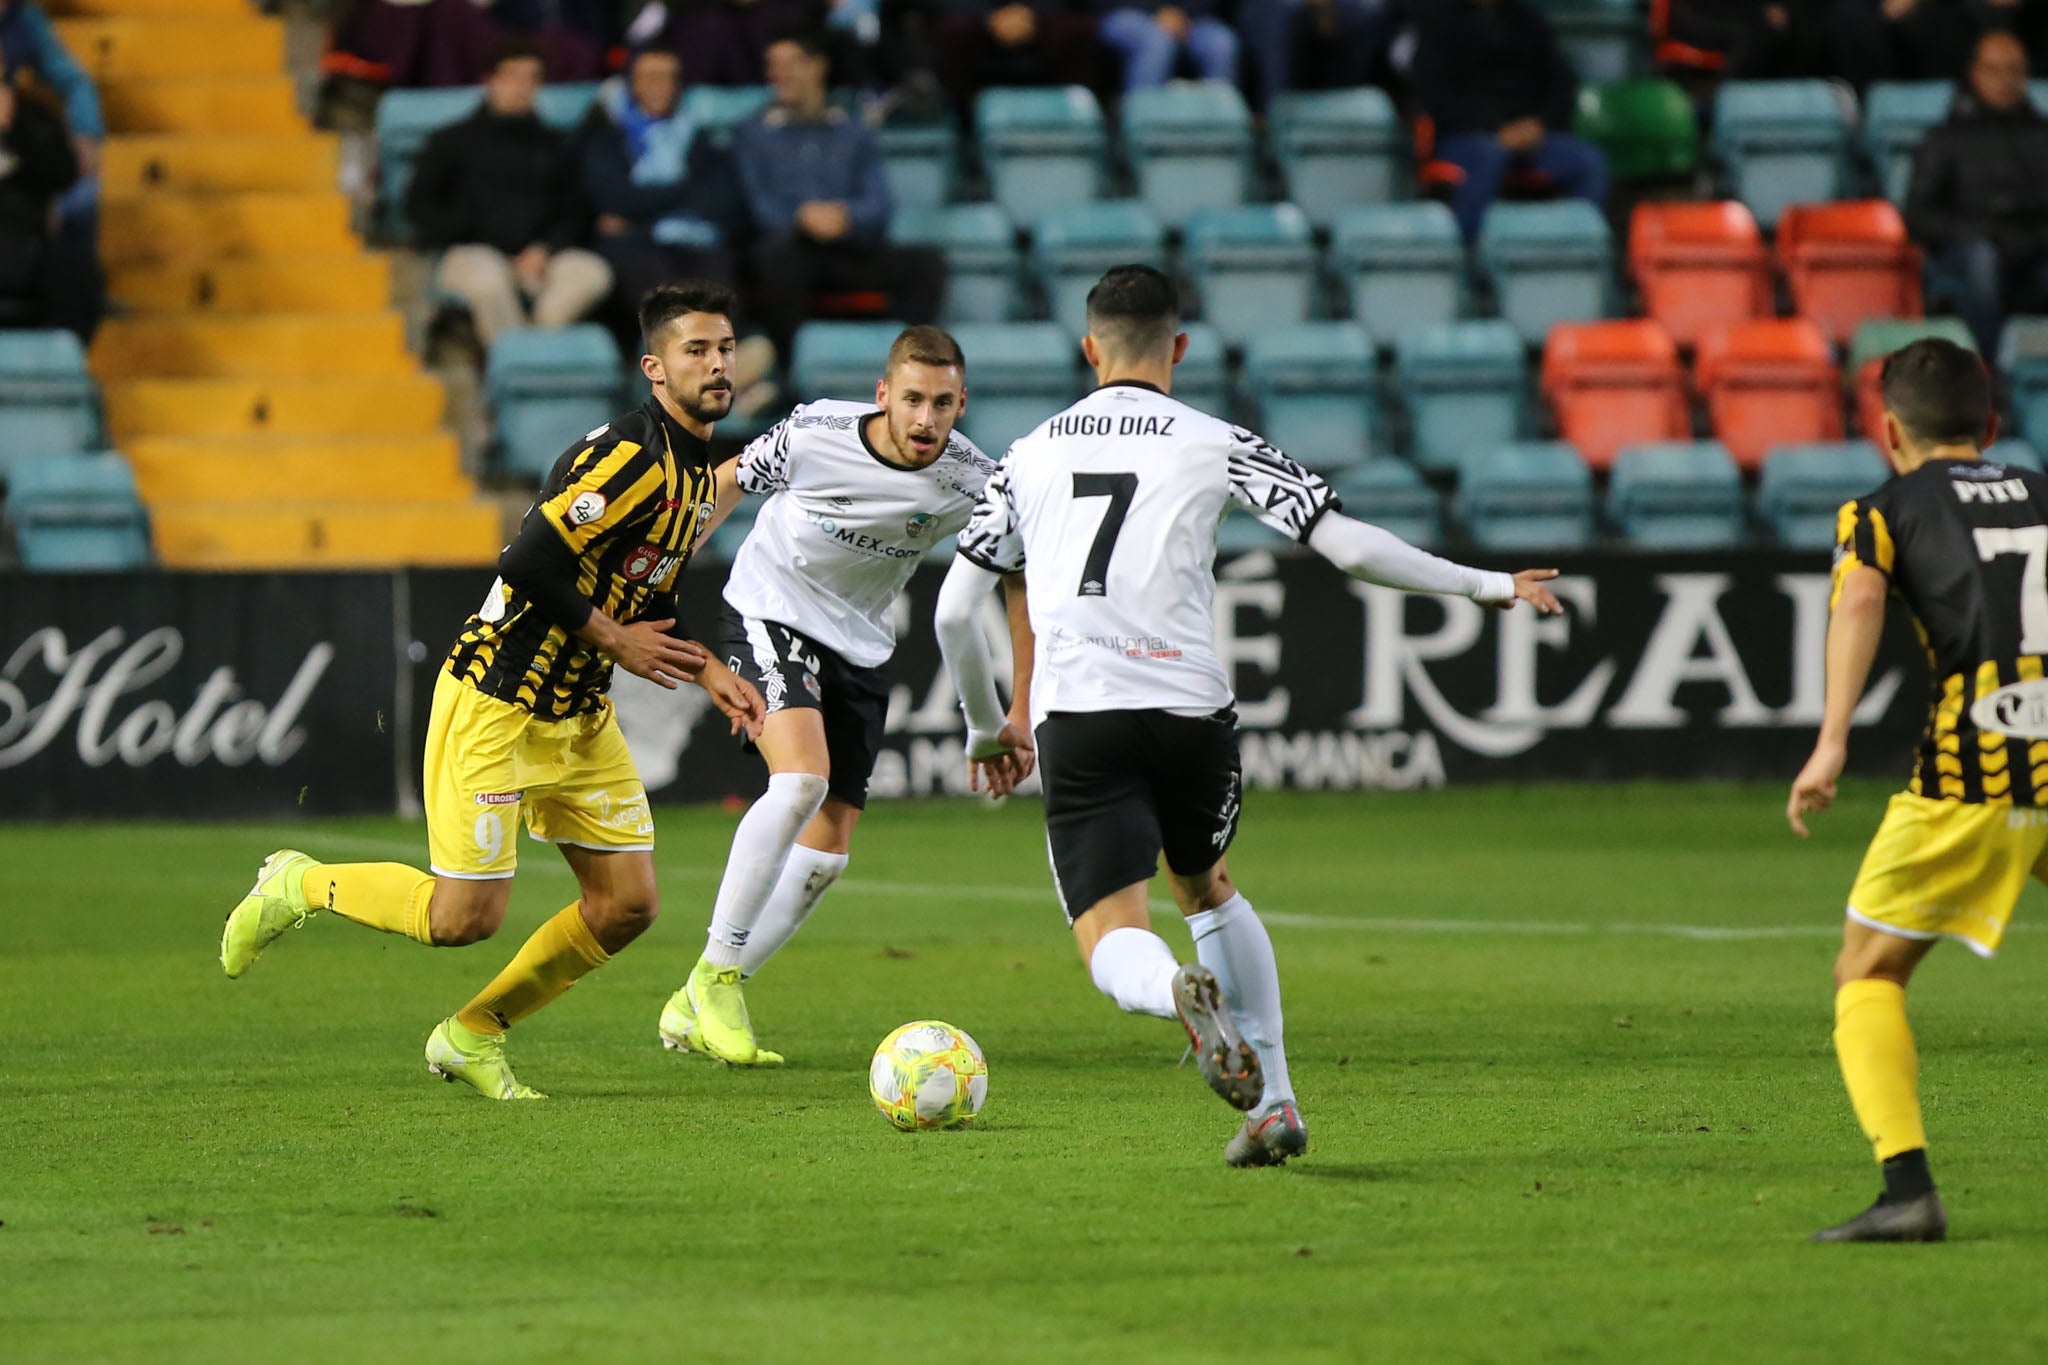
(1614, 384)
(1769, 382)
(1699, 265)
(1847, 262)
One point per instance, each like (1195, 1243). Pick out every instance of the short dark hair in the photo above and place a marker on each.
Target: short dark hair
(1135, 309)
(925, 345)
(667, 302)
(1939, 392)
(809, 39)
(516, 50)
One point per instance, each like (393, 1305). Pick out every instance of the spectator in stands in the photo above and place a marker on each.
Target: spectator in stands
(1904, 40)
(1749, 39)
(499, 195)
(980, 43)
(453, 42)
(723, 40)
(819, 196)
(1491, 77)
(1979, 195)
(1315, 44)
(30, 46)
(47, 279)
(1151, 39)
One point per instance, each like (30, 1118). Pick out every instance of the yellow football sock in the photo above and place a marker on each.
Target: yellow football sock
(550, 962)
(1875, 1046)
(387, 896)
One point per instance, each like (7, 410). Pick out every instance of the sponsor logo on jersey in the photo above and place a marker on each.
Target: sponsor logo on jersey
(919, 524)
(586, 507)
(499, 798)
(2019, 709)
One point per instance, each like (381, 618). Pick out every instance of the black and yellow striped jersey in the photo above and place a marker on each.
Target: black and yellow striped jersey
(1965, 545)
(627, 502)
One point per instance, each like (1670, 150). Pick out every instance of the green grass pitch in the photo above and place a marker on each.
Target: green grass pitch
(1554, 1117)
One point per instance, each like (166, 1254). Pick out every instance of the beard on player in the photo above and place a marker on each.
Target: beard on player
(705, 401)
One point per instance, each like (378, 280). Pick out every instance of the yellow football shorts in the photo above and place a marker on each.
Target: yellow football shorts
(488, 762)
(1949, 868)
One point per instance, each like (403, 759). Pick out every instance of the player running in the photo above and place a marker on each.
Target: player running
(521, 723)
(856, 493)
(1109, 510)
(1965, 543)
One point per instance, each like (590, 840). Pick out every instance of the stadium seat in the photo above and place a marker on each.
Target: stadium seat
(2023, 360)
(1465, 385)
(1613, 384)
(1847, 262)
(1768, 382)
(45, 392)
(219, 104)
(1312, 387)
(562, 105)
(1202, 379)
(181, 227)
(923, 161)
(124, 48)
(38, 432)
(1537, 494)
(1403, 266)
(1041, 146)
(1337, 148)
(984, 273)
(1698, 266)
(1780, 143)
(545, 387)
(1190, 147)
(1255, 267)
(1393, 494)
(181, 164)
(1548, 263)
(78, 513)
(361, 405)
(1677, 495)
(1878, 338)
(1605, 40)
(1019, 374)
(1646, 129)
(1241, 533)
(1074, 244)
(330, 282)
(722, 106)
(1896, 115)
(2018, 454)
(839, 359)
(268, 345)
(724, 545)
(1803, 487)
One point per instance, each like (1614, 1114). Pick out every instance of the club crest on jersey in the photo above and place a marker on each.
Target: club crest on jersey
(639, 562)
(586, 507)
(919, 524)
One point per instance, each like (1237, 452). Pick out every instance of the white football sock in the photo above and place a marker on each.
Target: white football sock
(760, 846)
(1231, 941)
(805, 879)
(1135, 968)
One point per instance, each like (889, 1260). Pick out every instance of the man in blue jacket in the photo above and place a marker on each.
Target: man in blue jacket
(818, 193)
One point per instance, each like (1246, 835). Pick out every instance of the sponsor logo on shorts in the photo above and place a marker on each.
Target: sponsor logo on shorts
(586, 507)
(811, 686)
(2019, 709)
(499, 798)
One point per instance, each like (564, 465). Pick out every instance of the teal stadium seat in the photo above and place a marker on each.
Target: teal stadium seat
(1532, 496)
(721, 107)
(1677, 495)
(984, 272)
(1393, 494)
(1242, 533)
(407, 118)
(923, 160)
(1896, 115)
(1781, 143)
(724, 545)
(1339, 148)
(1018, 374)
(1803, 487)
(1254, 267)
(29, 435)
(1312, 386)
(1605, 39)
(1075, 243)
(840, 359)
(1041, 146)
(2018, 454)
(1403, 267)
(1190, 147)
(47, 398)
(1548, 263)
(77, 513)
(1202, 379)
(2023, 360)
(547, 386)
(1465, 385)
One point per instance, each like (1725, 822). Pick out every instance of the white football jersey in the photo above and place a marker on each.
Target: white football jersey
(843, 529)
(1110, 510)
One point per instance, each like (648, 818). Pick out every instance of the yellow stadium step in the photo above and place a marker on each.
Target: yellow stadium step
(384, 405)
(172, 227)
(155, 48)
(324, 535)
(270, 469)
(147, 9)
(335, 283)
(215, 161)
(241, 104)
(251, 345)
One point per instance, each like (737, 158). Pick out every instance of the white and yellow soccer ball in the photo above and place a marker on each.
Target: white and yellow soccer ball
(928, 1074)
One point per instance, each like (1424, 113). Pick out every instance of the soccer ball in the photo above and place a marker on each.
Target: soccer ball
(928, 1075)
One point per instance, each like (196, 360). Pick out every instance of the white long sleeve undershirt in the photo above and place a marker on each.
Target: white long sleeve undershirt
(1379, 556)
(957, 622)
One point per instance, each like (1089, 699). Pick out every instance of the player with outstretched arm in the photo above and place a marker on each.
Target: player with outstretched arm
(1109, 510)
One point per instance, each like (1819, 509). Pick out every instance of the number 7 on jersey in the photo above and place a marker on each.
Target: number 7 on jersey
(1119, 489)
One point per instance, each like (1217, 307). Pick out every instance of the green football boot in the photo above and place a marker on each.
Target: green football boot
(276, 903)
(477, 1060)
